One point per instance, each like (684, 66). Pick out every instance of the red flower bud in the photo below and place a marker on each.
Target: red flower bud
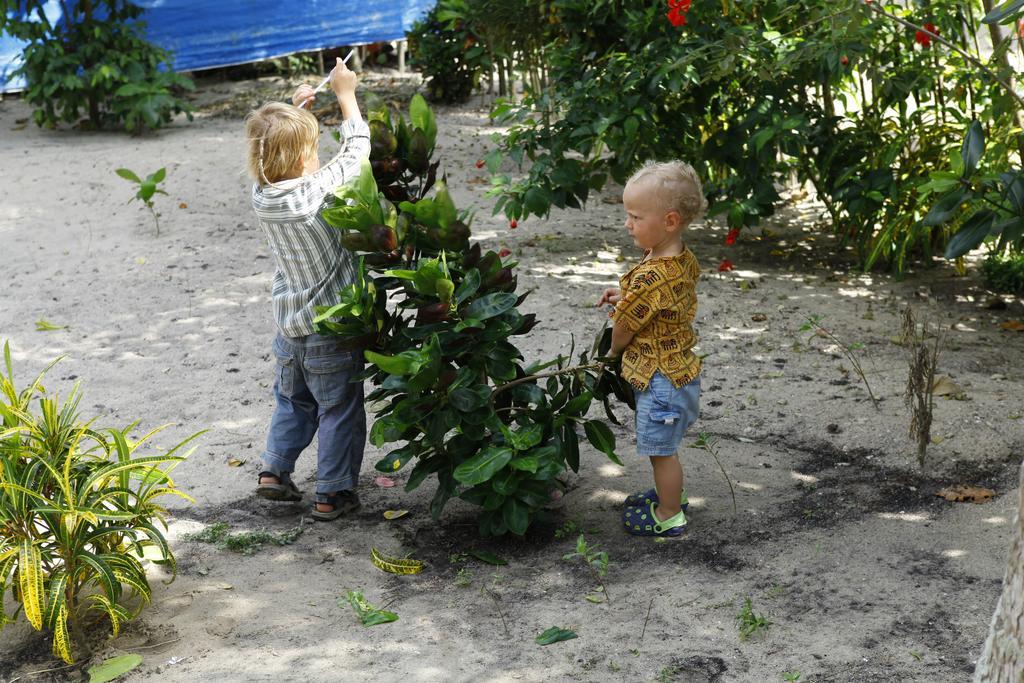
(513, 224)
(505, 251)
(730, 239)
(479, 163)
(844, 60)
(725, 265)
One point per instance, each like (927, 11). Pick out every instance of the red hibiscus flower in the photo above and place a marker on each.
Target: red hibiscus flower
(730, 239)
(677, 10)
(513, 224)
(924, 37)
(725, 265)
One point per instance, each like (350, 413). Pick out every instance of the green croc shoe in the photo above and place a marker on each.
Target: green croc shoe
(641, 521)
(651, 496)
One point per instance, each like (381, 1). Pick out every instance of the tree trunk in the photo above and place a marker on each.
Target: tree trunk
(1002, 658)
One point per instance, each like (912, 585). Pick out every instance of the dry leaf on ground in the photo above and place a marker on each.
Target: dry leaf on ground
(944, 386)
(759, 317)
(1013, 325)
(395, 514)
(966, 494)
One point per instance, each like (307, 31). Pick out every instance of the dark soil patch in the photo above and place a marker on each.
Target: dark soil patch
(695, 669)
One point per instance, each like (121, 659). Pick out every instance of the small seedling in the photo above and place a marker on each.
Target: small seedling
(750, 622)
(458, 558)
(791, 675)
(667, 674)
(596, 560)
(244, 542)
(707, 443)
(916, 655)
(568, 529)
(814, 323)
(147, 188)
(464, 578)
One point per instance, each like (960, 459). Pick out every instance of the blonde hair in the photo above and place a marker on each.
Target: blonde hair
(279, 134)
(677, 186)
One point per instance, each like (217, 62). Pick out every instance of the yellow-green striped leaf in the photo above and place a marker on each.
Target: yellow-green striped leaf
(30, 583)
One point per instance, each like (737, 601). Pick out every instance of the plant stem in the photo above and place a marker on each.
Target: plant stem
(530, 378)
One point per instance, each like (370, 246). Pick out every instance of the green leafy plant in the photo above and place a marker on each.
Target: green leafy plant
(368, 614)
(751, 623)
(93, 61)
(448, 52)
(596, 561)
(438, 316)
(78, 515)
(791, 675)
(148, 188)
(244, 542)
(1004, 273)
(980, 205)
(839, 95)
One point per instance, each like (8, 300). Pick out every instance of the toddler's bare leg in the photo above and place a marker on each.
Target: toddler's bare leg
(668, 480)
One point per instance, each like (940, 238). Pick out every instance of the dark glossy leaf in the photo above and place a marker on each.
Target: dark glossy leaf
(467, 399)
(945, 208)
(527, 463)
(490, 305)
(467, 288)
(973, 147)
(602, 439)
(571, 444)
(483, 465)
(526, 438)
(973, 232)
(516, 516)
(488, 557)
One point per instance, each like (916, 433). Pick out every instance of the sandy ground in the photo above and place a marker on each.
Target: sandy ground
(839, 540)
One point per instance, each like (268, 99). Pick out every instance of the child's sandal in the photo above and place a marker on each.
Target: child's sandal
(282, 490)
(645, 498)
(641, 521)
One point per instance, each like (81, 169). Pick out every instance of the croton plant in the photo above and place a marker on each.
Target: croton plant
(438, 315)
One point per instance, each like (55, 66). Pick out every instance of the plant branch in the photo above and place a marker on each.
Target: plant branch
(555, 373)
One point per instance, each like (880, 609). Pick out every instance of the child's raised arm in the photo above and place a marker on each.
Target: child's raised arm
(343, 83)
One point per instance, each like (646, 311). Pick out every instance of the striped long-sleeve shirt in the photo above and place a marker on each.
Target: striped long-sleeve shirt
(312, 265)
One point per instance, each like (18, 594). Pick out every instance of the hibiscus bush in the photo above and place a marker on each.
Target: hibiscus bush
(863, 101)
(439, 315)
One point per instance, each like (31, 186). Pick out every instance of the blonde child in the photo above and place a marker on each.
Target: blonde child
(653, 331)
(313, 384)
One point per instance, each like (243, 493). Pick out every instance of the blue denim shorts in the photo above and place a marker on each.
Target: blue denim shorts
(664, 413)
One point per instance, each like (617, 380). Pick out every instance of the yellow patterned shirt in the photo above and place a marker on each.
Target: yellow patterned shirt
(659, 303)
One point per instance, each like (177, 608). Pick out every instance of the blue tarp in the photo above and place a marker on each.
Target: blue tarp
(207, 34)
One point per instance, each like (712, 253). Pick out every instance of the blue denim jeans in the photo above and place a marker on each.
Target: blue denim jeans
(315, 394)
(664, 413)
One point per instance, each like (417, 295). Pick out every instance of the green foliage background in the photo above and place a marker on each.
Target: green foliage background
(93, 63)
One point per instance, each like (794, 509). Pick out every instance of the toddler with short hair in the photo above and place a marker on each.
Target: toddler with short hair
(314, 387)
(655, 306)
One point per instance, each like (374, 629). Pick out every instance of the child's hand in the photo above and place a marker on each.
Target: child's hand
(612, 296)
(343, 80)
(303, 95)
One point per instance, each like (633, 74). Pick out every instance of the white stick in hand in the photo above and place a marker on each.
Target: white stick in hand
(327, 80)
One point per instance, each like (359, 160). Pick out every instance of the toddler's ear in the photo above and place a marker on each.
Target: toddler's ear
(674, 221)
